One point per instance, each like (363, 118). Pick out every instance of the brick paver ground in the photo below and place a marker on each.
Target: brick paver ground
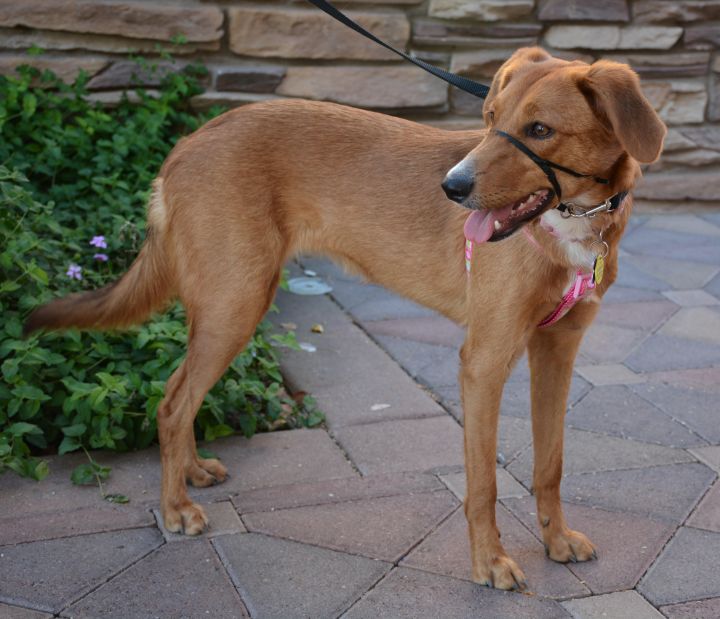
(363, 518)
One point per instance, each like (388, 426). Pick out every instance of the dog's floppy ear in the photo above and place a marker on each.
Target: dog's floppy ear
(505, 72)
(613, 91)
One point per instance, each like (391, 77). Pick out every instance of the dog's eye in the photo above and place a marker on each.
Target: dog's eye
(539, 131)
(491, 117)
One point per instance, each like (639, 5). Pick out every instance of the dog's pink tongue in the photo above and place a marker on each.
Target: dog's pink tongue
(479, 226)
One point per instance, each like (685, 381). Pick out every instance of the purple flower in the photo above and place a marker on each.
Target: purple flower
(101, 257)
(74, 271)
(98, 241)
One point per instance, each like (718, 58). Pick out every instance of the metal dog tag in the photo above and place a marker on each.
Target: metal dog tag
(598, 269)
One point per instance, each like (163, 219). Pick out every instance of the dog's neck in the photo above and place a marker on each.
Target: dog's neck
(573, 235)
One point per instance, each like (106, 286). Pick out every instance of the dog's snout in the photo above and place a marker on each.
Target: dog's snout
(458, 185)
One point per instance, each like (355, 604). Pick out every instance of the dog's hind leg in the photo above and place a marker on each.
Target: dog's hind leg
(222, 315)
(552, 355)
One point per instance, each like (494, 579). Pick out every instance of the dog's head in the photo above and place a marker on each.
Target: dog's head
(592, 119)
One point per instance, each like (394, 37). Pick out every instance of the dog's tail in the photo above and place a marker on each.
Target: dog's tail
(145, 288)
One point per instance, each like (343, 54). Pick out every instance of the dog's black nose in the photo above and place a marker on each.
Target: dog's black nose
(457, 186)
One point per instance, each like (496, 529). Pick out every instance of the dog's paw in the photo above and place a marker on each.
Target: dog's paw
(499, 571)
(569, 546)
(205, 472)
(188, 518)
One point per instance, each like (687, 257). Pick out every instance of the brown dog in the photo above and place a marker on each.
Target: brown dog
(260, 184)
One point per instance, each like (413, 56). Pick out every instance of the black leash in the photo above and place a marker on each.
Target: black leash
(481, 91)
(463, 83)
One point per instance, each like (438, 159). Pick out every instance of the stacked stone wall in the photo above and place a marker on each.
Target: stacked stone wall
(263, 50)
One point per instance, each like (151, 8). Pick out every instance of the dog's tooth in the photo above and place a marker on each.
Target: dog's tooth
(497, 225)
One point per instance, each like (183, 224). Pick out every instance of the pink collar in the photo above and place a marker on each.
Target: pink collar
(582, 287)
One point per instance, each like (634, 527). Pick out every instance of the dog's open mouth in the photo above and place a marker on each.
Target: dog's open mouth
(496, 224)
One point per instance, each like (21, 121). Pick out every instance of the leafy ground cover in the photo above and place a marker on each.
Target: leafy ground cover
(74, 180)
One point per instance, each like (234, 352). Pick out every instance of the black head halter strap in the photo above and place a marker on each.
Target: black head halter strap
(547, 166)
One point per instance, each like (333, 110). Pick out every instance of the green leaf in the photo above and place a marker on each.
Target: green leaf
(116, 498)
(88, 473)
(28, 392)
(29, 104)
(77, 429)
(83, 475)
(21, 427)
(68, 444)
(41, 470)
(203, 452)
(218, 431)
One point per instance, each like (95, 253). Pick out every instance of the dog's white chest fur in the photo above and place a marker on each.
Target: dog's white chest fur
(572, 234)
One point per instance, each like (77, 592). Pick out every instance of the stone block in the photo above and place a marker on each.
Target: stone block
(479, 63)
(686, 569)
(177, 580)
(713, 112)
(643, 315)
(583, 10)
(617, 411)
(126, 74)
(403, 445)
(694, 158)
(436, 330)
(660, 272)
(409, 593)
(261, 79)
(701, 609)
(353, 380)
(278, 578)
(507, 486)
(707, 514)
(210, 98)
(49, 575)
(334, 491)
(280, 458)
(619, 604)
(588, 452)
(17, 612)
(709, 456)
(694, 407)
(431, 32)
(663, 493)
(62, 41)
(281, 32)
(702, 37)
(626, 543)
(689, 224)
(380, 528)
(661, 65)
(605, 343)
(678, 101)
(609, 374)
(483, 10)
(223, 520)
(66, 68)
(694, 323)
(390, 87)
(661, 352)
(140, 20)
(465, 104)
(680, 186)
(612, 37)
(675, 11)
(447, 551)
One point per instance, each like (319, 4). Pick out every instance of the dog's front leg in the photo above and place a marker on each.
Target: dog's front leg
(552, 355)
(483, 373)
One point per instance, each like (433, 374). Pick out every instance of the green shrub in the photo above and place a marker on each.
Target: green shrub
(73, 186)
